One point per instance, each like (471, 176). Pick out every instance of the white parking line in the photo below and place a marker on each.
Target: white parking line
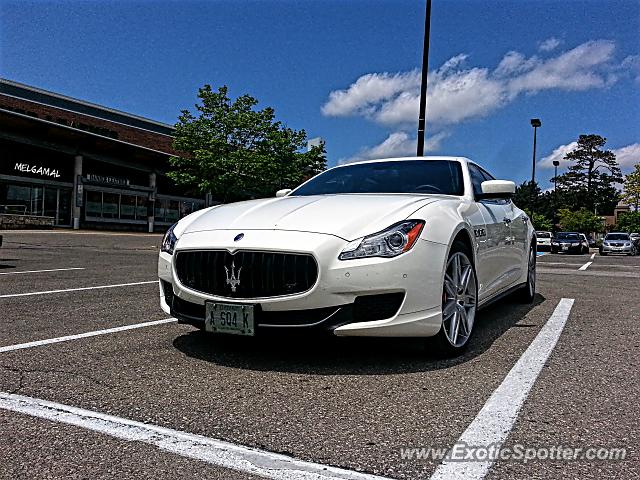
(42, 271)
(593, 256)
(37, 343)
(496, 418)
(216, 452)
(585, 266)
(47, 292)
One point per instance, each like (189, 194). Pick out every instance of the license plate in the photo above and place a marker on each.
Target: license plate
(565, 247)
(229, 318)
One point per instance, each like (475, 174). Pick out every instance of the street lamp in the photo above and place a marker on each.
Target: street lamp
(423, 85)
(535, 123)
(555, 192)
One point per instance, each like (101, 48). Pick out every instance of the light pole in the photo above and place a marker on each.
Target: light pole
(423, 84)
(535, 123)
(555, 193)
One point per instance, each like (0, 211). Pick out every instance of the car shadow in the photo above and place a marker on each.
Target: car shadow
(330, 355)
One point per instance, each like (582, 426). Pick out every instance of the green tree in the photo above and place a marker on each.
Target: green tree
(629, 222)
(591, 178)
(236, 152)
(528, 195)
(540, 221)
(581, 221)
(631, 193)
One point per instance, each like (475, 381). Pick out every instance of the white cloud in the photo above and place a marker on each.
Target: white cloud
(632, 65)
(627, 156)
(549, 44)
(362, 96)
(584, 67)
(557, 155)
(397, 144)
(457, 93)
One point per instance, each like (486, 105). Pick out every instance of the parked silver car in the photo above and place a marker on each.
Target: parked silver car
(617, 242)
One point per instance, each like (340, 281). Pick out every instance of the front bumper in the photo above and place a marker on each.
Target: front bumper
(612, 249)
(559, 248)
(543, 245)
(416, 275)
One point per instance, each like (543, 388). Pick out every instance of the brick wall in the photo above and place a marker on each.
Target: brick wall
(136, 136)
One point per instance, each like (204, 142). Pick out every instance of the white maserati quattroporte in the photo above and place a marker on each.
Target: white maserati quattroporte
(403, 247)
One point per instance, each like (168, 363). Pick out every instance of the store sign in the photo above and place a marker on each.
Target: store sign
(37, 170)
(108, 180)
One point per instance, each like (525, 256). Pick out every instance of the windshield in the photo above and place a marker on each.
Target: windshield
(400, 176)
(617, 236)
(543, 234)
(567, 236)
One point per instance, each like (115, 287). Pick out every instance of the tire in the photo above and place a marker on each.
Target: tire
(459, 304)
(528, 292)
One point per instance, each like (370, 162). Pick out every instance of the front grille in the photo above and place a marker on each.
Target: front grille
(246, 274)
(617, 244)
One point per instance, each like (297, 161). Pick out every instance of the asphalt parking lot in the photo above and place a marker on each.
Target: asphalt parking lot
(339, 406)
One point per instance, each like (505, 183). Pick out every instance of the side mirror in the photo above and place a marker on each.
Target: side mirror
(283, 193)
(497, 189)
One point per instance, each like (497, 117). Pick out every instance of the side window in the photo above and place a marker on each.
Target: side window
(476, 178)
(486, 175)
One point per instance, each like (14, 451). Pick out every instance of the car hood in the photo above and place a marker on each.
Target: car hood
(346, 216)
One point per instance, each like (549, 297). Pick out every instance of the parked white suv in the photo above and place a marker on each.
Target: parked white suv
(543, 240)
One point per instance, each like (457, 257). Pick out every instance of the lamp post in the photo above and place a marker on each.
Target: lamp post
(423, 85)
(535, 123)
(555, 192)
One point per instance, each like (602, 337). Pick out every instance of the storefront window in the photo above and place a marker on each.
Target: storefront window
(159, 210)
(50, 201)
(110, 205)
(127, 207)
(93, 204)
(18, 200)
(64, 207)
(172, 213)
(141, 208)
(35, 206)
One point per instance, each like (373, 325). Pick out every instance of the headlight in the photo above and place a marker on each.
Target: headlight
(575, 244)
(393, 241)
(169, 241)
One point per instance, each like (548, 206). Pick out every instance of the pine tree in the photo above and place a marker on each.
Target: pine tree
(590, 180)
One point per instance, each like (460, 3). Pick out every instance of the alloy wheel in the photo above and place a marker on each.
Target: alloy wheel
(459, 299)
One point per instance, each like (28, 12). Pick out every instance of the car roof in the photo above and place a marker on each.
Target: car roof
(398, 159)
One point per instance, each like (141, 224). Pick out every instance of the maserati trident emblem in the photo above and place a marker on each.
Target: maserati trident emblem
(233, 280)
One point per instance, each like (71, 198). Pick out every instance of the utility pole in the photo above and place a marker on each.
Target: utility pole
(423, 84)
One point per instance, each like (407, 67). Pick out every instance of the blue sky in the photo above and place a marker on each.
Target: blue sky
(347, 70)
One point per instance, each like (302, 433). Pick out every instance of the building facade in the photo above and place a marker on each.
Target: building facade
(81, 165)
